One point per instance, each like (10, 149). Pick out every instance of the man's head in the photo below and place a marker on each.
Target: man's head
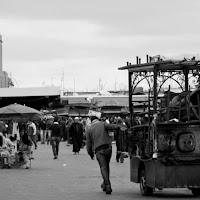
(93, 118)
(94, 115)
(29, 121)
(119, 120)
(25, 139)
(55, 119)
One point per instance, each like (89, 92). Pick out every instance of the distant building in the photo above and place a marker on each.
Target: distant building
(1, 53)
(5, 81)
(39, 98)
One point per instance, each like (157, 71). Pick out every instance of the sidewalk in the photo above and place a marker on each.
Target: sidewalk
(70, 177)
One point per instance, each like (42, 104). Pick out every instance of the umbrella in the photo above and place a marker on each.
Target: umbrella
(19, 112)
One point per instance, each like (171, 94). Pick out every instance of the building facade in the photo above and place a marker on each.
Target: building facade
(1, 53)
(5, 81)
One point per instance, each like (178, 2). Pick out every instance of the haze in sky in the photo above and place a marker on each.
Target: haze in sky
(84, 42)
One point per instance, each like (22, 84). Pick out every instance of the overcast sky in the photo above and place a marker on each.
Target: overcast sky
(88, 40)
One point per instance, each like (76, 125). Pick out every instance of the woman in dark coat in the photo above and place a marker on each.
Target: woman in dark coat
(76, 133)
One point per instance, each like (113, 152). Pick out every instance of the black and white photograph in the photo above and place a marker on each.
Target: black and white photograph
(99, 99)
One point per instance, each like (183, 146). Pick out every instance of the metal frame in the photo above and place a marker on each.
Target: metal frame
(156, 74)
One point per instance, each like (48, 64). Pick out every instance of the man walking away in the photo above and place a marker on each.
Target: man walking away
(56, 134)
(63, 125)
(42, 127)
(99, 141)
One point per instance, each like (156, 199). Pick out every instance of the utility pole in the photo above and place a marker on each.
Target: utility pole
(101, 86)
(63, 80)
(115, 85)
(74, 85)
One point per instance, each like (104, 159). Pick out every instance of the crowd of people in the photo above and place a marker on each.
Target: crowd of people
(96, 133)
(15, 145)
(23, 136)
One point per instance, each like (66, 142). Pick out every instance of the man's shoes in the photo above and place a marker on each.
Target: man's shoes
(55, 157)
(108, 190)
(103, 187)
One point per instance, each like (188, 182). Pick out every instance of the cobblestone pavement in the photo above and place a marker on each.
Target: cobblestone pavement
(72, 177)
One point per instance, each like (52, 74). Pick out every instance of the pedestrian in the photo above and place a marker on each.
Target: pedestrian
(10, 128)
(70, 121)
(76, 133)
(56, 134)
(31, 132)
(49, 122)
(63, 124)
(83, 122)
(22, 129)
(42, 127)
(99, 141)
(15, 131)
(120, 139)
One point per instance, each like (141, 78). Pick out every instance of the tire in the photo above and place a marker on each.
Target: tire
(195, 191)
(145, 190)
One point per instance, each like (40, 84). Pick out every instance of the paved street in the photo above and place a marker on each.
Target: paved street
(72, 177)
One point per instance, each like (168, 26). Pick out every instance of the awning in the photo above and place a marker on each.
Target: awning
(63, 111)
(73, 111)
(78, 112)
(112, 111)
(30, 92)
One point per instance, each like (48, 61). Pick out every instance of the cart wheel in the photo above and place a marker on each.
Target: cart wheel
(145, 190)
(195, 191)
